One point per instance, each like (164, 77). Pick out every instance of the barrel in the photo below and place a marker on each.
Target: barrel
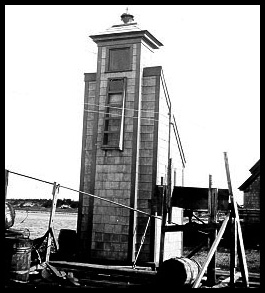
(17, 257)
(178, 272)
(9, 215)
(67, 242)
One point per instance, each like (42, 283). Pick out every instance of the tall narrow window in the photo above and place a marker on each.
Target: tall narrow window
(114, 114)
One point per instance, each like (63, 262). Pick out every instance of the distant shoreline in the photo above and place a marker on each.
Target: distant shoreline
(48, 210)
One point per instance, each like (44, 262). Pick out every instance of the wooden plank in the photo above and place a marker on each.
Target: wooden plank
(107, 269)
(242, 256)
(233, 251)
(169, 206)
(211, 252)
(212, 208)
(56, 244)
(53, 209)
(226, 282)
(253, 276)
(163, 224)
(202, 227)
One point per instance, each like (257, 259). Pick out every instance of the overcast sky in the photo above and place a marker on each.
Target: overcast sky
(211, 63)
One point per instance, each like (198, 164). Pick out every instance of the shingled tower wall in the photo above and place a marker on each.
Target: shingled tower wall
(122, 107)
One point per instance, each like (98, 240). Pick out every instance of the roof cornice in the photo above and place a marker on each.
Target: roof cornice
(145, 35)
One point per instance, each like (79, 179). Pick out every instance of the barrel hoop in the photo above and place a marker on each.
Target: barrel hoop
(19, 281)
(20, 272)
(186, 263)
(191, 270)
(21, 251)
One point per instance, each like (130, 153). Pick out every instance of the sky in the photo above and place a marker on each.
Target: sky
(211, 63)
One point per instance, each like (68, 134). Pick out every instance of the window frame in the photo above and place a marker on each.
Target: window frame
(130, 47)
(106, 132)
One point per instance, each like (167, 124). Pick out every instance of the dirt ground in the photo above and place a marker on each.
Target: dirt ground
(223, 258)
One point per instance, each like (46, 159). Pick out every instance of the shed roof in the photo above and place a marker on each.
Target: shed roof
(255, 172)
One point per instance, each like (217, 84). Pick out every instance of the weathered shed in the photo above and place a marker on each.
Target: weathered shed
(250, 212)
(251, 189)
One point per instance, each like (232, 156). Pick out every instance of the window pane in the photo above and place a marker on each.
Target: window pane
(115, 98)
(116, 85)
(111, 139)
(119, 59)
(114, 114)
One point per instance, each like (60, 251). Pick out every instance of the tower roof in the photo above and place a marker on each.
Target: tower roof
(128, 29)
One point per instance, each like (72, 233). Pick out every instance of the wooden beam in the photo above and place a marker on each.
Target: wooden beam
(233, 251)
(242, 256)
(173, 228)
(227, 281)
(53, 209)
(211, 252)
(212, 208)
(200, 227)
(163, 224)
(169, 205)
(104, 269)
(54, 238)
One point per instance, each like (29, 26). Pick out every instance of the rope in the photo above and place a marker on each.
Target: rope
(129, 109)
(30, 177)
(126, 116)
(142, 242)
(110, 201)
(89, 194)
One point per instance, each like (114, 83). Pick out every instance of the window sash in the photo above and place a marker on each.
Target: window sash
(113, 131)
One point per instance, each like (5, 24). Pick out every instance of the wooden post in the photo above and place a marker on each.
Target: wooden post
(212, 208)
(242, 255)
(156, 260)
(6, 182)
(233, 251)
(211, 252)
(238, 232)
(169, 162)
(169, 207)
(50, 227)
(163, 224)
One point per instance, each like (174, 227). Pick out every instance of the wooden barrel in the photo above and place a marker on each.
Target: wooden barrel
(9, 215)
(178, 271)
(17, 257)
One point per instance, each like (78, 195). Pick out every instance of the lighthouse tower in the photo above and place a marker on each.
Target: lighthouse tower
(125, 150)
